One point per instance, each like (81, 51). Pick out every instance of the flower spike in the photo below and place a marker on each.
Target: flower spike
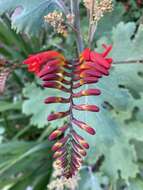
(67, 76)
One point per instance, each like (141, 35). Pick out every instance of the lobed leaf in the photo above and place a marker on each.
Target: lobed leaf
(34, 9)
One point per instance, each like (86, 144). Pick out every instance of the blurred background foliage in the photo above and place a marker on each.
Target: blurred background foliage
(115, 160)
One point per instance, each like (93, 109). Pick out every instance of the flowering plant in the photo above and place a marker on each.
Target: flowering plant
(73, 71)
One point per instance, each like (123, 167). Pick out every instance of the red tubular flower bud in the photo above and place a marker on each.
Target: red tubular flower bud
(90, 73)
(98, 58)
(50, 77)
(49, 70)
(59, 152)
(55, 77)
(75, 160)
(84, 126)
(62, 160)
(35, 62)
(63, 164)
(109, 60)
(85, 107)
(55, 84)
(60, 143)
(80, 140)
(58, 132)
(77, 155)
(56, 100)
(55, 62)
(88, 80)
(86, 54)
(74, 166)
(58, 115)
(107, 50)
(78, 148)
(89, 92)
(94, 66)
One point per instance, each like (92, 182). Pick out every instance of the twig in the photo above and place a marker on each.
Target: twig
(128, 62)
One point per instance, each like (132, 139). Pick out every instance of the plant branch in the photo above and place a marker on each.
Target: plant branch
(128, 62)
(75, 11)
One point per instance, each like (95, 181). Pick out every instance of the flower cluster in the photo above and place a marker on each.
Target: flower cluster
(57, 21)
(99, 9)
(58, 73)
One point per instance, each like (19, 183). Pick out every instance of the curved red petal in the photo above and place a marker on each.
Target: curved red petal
(84, 126)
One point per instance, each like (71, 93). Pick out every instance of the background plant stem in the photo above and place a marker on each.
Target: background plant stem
(92, 26)
(75, 11)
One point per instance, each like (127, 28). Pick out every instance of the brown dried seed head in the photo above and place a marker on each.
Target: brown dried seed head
(100, 8)
(56, 20)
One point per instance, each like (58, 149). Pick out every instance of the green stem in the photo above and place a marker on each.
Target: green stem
(76, 12)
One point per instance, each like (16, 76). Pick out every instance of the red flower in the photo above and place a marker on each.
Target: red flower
(35, 62)
(95, 64)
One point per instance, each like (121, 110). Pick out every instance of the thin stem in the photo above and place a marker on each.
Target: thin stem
(71, 97)
(128, 62)
(76, 12)
(92, 26)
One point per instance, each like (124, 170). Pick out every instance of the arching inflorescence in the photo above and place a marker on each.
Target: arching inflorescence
(68, 76)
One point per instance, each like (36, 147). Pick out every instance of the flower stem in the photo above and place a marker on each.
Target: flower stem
(76, 12)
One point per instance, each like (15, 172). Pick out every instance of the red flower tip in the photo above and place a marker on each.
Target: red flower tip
(80, 140)
(89, 92)
(59, 152)
(85, 54)
(57, 132)
(84, 126)
(60, 143)
(94, 64)
(85, 107)
(78, 148)
(58, 115)
(56, 100)
(107, 50)
(35, 62)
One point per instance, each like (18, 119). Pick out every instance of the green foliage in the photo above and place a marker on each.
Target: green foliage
(25, 154)
(120, 96)
(13, 46)
(34, 105)
(34, 9)
(24, 164)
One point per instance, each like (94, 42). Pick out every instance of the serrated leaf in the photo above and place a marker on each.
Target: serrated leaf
(34, 105)
(121, 93)
(34, 9)
(136, 184)
(90, 183)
